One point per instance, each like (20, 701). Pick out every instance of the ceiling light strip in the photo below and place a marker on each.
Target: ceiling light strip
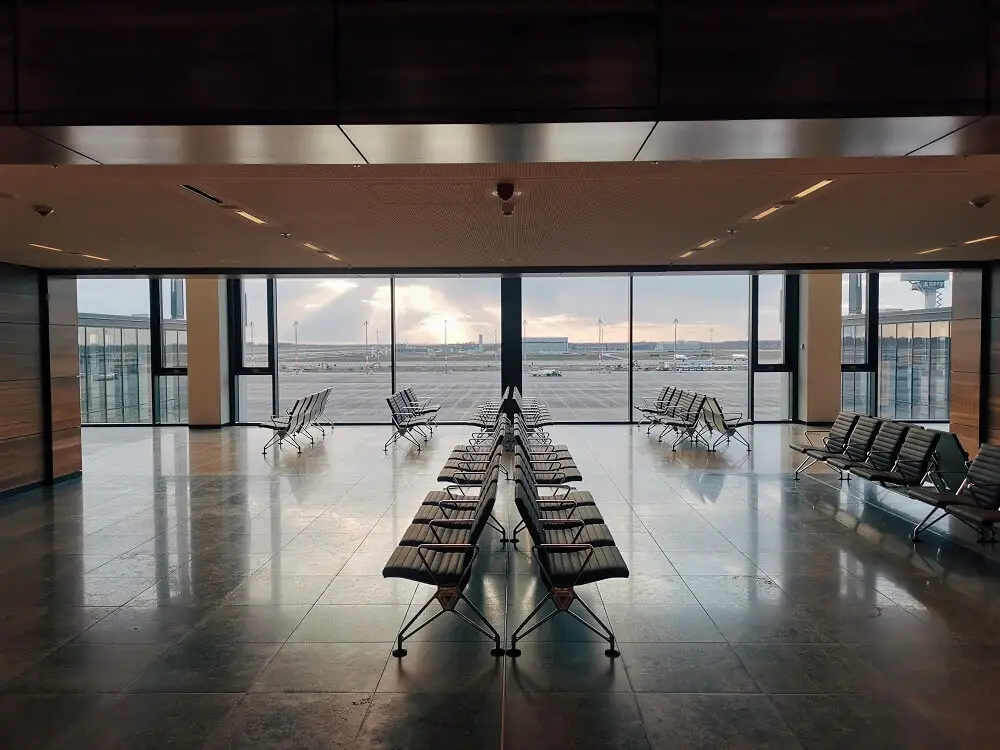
(44, 247)
(708, 243)
(249, 216)
(813, 188)
(688, 254)
(766, 212)
(982, 239)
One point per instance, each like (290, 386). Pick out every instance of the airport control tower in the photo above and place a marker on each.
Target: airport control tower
(929, 284)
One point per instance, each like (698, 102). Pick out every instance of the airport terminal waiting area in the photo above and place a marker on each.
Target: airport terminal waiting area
(688, 581)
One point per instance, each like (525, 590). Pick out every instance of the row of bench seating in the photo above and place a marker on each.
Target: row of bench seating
(306, 413)
(411, 415)
(691, 416)
(927, 465)
(571, 543)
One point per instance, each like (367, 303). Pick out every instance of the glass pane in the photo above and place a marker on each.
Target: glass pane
(771, 396)
(174, 323)
(173, 399)
(693, 332)
(854, 391)
(334, 332)
(915, 317)
(770, 319)
(255, 323)
(114, 350)
(253, 398)
(447, 341)
(575, 345)
(854, 319)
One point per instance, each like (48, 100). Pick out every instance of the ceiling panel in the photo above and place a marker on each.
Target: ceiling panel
(446, 217)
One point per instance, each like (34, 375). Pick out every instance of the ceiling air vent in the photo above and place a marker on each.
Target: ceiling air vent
(202, 194)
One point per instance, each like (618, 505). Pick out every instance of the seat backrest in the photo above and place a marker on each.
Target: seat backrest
(861, 439)
(307, 409)
(951, 463)
(697, 406)
(662, 395)
(915, 454)
(836, 439)
(712, 414)
(885, 447)
(395, 408)
(487, 499)
(983, 482)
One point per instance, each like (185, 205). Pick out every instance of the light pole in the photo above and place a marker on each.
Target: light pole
(711, 345)
(675, 342)
(295, 323)
(524, 342)
(378, 349)
(494, 344)
(253, 354)
(367, 352)
(446, 347)
(600, 340)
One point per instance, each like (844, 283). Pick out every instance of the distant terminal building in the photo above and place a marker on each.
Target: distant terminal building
(546, 345)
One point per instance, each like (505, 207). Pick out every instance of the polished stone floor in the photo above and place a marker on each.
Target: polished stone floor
(190, 593)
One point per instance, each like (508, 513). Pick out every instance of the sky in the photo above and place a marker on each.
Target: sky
(334, 310)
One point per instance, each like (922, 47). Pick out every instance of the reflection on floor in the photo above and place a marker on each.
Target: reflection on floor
(192, 593)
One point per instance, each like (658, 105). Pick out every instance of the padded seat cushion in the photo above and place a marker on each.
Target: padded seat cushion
(427, 513)
(586, 513)
(422, 533)
(580, 497)
(597, 534)
(557, 477)
(874, 475)
(845, 464)
(461, 476)
(563, 568)
(445, 567)
(976, 514)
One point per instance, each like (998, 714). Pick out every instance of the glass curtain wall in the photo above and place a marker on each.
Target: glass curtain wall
(914, 320)
(447, 341)
(254, 372)
(114, 353)
(337, 333)
(171, 376)
(575, 345)
(771, 376)
(692, 332)
(856, 370)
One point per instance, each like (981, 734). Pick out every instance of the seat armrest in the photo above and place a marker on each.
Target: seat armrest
(452, 523)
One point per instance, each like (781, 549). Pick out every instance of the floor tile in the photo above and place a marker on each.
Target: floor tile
(197, 667)
(714, 721)
(97, 668)
(251, 623)
(686, 668)
(566, 668)
(574, 721)
(302, 721)
(443, 667)
(427, 721)
(350, 623)
(154, 721)
(40, 721)
(324, 668)
(659, 624)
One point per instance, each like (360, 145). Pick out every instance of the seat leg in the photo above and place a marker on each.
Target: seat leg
(926, 523)
(514, 650)
(609, 634)
(806, 464)
(399, 651)
(497, 649)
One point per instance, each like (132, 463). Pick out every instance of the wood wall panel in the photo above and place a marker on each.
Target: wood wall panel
(20, 352)
(20, 414)
(968, 370)
(64, 359)
(64, 373)
(966, 345)
(65, 403)
(67, 453)
(62, 302)
(22, 462)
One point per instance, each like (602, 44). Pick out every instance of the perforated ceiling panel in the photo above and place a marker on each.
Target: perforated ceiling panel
(445, 216)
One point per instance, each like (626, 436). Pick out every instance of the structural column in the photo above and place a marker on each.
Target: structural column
(819, 347)
(208, 353)
(510, 333)
(968, 375)
(65, 458)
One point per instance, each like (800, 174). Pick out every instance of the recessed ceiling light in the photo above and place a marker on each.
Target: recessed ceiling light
(44, 247)
(311, 246)
(331, 256)
(708, 243)
(765, 213)
(982, 239)
(92, 257)
(688, 254)
(249, 217)
(932, 250)
(813, 188)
